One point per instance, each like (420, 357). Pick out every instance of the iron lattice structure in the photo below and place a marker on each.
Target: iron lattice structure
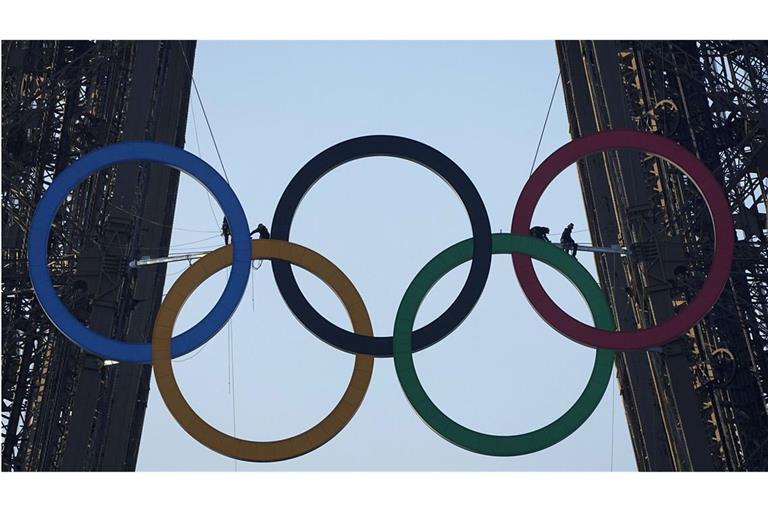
(63, 408)
(701, 403)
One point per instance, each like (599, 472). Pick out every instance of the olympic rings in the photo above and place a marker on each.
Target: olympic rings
(254, 451)
(361, 342)
(68, 179)
(462, 436)
(713, 196)
(400, 147)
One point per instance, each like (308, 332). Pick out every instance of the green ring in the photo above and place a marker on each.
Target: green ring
(469, 439)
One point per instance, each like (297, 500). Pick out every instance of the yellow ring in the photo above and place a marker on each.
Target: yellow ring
(260, 451)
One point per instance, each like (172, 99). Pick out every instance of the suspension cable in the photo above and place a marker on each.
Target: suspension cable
(544, 127)
(202, 107)
(200, 154)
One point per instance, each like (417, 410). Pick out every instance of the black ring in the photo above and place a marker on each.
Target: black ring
(408, 149)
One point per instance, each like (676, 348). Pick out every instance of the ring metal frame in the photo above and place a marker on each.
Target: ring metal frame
(464, 437)
(713, 196)
(260, 451)
(400, 147)
(68, 179)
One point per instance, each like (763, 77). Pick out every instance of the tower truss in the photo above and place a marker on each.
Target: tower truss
(701, 403)
(62, 408)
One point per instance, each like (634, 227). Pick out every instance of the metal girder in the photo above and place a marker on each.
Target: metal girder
(709, 397)
(63, 408)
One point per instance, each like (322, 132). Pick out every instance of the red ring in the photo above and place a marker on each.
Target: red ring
(713, 196)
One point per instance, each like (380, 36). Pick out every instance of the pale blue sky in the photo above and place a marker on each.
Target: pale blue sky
(275, 105)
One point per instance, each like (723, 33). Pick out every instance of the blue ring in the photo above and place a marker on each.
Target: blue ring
(68, 179)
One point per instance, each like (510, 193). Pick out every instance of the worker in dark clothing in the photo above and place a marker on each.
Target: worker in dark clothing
(540, 232)
(567, 242)
(225, 232)
(82, 301)
(262, 230)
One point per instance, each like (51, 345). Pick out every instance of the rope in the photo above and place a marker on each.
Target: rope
(184, 244)
(170, 274)
(231, 374)
(202, 107)
(544, 127)
(253, 289)
(193, 355)
(613, 275)
(613, 416)
(232, 369)
(574, 231)
(187, 254)
(230, 346)
(159, 223)
(200, 153)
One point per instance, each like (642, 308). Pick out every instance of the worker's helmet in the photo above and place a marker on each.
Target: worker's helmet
(570, 225)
